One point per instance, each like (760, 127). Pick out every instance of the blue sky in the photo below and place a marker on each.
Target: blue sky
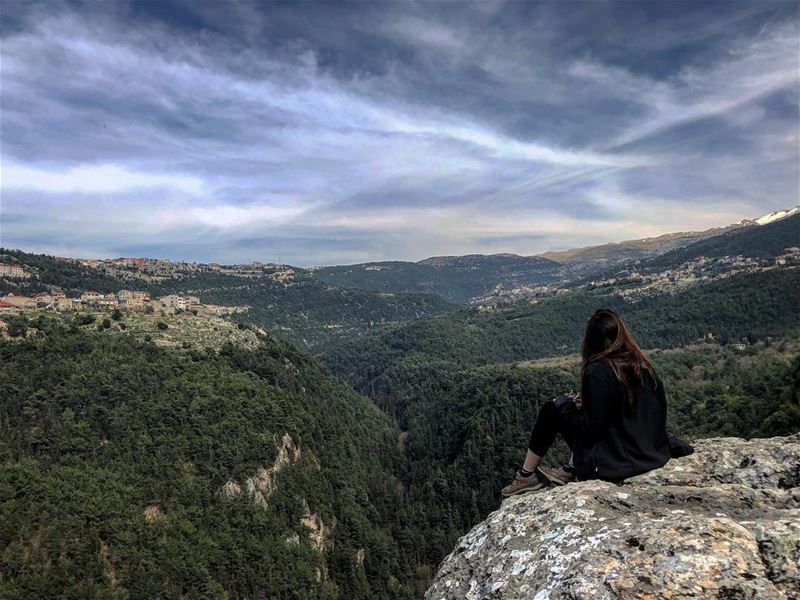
(347, 132)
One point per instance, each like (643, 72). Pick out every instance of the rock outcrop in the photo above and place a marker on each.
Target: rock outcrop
(721, 523)
(262, 483)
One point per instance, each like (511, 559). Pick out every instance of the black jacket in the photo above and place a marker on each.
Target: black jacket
(615, 441)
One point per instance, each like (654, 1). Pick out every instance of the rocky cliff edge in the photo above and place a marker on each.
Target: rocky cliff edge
(722, 523)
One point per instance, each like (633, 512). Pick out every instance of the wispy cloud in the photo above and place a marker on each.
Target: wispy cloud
(226, 216)
(329, 133)
(96, 179)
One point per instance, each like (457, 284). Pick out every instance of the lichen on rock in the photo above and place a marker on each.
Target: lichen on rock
(722, 523)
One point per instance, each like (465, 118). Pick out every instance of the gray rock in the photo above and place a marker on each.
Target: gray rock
(722, 523)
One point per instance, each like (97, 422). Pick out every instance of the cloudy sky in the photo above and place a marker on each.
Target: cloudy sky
(335, 133)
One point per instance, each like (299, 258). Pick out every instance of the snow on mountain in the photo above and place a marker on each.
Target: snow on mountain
(780, 214)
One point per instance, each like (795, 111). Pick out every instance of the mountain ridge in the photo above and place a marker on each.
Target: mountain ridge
(646, 246)
(464, 278)
(761, 241)
(663, 243)
(549, 254)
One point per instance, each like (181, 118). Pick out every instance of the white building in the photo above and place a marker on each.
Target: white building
(64, 303)
(174, 302)
(128, 295)
(43, 300)
(107, 301)
(14, 271)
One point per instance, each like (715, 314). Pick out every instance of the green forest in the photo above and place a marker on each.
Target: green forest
(314, 315)
(95, 428)
(467, 429)
(746, 307)
(343, 453)
(455, 278)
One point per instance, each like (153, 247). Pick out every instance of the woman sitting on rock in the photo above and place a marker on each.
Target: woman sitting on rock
(616, 427)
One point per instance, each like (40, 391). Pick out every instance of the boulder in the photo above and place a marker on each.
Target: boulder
(721, 523)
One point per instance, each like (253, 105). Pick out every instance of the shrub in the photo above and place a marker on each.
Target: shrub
(17, 327)
(85, 319)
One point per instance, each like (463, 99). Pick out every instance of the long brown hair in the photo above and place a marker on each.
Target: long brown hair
(608, 340)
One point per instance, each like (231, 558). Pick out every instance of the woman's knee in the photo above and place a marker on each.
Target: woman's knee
(548, 408)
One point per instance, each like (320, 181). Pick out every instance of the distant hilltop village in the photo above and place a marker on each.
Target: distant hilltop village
(140, 270)
(155, 269)
(132, 300)
(634, 282)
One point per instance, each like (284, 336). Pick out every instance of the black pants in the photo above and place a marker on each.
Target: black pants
(555, 417)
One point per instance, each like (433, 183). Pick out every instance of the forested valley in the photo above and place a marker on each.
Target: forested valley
(116, 455)
(330, 442)
(465, 388)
